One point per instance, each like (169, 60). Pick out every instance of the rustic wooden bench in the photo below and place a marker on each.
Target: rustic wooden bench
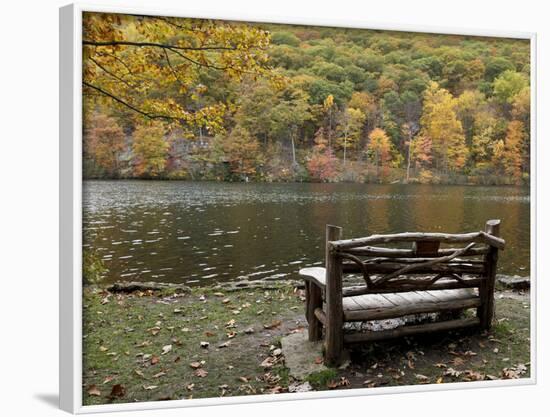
(426, 276)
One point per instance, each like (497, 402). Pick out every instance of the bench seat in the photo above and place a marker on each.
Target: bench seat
(391, 305)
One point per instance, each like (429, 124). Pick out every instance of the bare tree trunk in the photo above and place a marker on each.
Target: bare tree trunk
(293, 149)
(345, 145)
(408, 162)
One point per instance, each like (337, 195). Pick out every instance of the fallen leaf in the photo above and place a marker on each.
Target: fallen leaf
(457, 361)
(470, 375)
(422, 378)
(205, 345)
(189, 387)
(224, 345)
(118, 390)
(195, 365)
(149, 387)
(452, 372)
(201, 373)
(161, 373)
(108, 379)
(94, 390)
(166, 349)
(155, 360)
(342, 382)
(318, 360)
(273, 325)
(267, 362)
(243, 379)
(103, 348)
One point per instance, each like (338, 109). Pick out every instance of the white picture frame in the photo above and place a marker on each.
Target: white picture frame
(70, 203)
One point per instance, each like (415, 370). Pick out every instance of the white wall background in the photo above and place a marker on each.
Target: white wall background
(29, 195)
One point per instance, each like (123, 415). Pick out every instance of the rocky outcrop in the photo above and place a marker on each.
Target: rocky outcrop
(514, 282)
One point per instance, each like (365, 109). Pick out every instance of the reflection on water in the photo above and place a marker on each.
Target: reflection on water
(200, 232)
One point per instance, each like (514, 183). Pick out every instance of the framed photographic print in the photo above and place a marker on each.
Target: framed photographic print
(261, 210)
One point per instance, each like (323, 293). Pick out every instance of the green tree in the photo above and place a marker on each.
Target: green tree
(508, 85)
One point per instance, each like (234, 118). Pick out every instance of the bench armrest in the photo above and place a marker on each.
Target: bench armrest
(316, 275)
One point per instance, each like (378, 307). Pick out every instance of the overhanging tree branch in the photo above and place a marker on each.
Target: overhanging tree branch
(159, 45)
(124, 103)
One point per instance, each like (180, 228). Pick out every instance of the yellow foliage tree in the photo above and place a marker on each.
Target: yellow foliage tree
(379, 149)
(509, 153)
(440, 123)
(242, 151)
(150, 149)
(349, 128)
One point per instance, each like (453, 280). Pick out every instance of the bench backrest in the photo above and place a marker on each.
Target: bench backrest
(430, 260)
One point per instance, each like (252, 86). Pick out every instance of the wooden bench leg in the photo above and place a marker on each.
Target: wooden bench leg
(334, 344)
(313, 300)
(334, 326)
(487, 289)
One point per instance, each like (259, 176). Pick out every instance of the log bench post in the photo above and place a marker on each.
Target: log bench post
(334, 329)
(314, 299)
(486, 310)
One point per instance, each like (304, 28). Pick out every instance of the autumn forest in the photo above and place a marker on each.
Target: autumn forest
(192, 99)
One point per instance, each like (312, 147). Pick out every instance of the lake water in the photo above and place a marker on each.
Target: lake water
(205, 232)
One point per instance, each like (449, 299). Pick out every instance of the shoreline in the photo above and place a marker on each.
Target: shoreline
(504, 281)
(414, 183)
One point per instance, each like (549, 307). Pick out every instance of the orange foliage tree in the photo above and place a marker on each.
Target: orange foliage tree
(242, 151)
(104, 140)
(322, 164)
(508, 154)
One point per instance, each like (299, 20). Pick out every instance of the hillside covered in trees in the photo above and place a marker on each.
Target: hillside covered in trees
(210, 100)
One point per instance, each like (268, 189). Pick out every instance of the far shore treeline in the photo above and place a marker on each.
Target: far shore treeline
(192, 99)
